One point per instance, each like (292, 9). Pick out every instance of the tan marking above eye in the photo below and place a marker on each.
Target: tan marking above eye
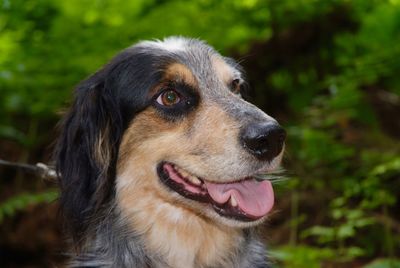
(175, 73)
(180, 73)
(222, 69)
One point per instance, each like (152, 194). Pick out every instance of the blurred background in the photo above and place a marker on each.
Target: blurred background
(328, 70)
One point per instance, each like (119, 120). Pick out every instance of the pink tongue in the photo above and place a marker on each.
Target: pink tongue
(254, 198)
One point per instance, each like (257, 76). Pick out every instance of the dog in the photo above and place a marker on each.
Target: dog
(157, 159)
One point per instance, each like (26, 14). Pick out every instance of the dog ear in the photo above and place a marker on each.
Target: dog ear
(86, 153)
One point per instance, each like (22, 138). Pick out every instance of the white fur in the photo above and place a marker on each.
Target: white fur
(171, 44)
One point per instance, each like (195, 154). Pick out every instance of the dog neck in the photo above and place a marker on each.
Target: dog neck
(185, 239)
(181, 237)
(179, 240)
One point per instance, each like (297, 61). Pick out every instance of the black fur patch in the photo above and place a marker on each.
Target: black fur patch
(104, 105)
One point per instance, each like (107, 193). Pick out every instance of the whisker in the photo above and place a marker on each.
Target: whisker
(277, 176)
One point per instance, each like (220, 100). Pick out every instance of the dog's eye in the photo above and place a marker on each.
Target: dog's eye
(235, 86)
(168, 98)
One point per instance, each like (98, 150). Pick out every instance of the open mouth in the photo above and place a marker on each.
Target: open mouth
(243, 199)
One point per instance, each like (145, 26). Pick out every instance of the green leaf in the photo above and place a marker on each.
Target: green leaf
(22, 201)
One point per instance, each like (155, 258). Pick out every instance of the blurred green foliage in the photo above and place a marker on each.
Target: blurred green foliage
(329, 69)
(11, 206)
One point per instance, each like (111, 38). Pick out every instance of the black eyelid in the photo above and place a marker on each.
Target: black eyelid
(183, 90)
(189, 99)
(236, 81)
(236, 85)
(164, 89)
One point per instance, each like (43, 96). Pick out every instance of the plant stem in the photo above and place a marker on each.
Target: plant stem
(388, 233)
(294, 211)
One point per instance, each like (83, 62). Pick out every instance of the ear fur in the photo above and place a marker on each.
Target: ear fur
(87, 152)
(91, 131)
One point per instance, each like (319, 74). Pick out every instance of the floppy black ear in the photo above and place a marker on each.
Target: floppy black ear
(86, 153)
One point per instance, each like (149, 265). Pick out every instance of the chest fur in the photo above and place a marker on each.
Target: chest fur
(184, 239)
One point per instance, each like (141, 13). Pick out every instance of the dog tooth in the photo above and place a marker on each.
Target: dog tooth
(189, 178)
(233, 201)
(185, 174)
(194, 180)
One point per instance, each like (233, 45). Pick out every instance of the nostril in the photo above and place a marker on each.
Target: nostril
(257, 144)
(263, 140)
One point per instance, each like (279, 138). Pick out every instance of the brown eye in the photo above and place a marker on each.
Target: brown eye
(168, 98)
(235, 86)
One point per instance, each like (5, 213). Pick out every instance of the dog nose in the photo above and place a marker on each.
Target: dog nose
(263, 140)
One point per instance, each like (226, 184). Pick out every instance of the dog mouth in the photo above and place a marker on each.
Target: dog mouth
(243, 199)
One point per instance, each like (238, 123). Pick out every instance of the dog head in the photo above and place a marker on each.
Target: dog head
(164, 124)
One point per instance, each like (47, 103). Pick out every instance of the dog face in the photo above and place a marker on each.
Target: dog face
(163, 129)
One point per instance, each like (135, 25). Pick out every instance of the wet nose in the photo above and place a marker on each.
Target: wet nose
(263, 140)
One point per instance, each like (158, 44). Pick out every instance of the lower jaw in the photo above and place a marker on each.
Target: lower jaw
(224, 210)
